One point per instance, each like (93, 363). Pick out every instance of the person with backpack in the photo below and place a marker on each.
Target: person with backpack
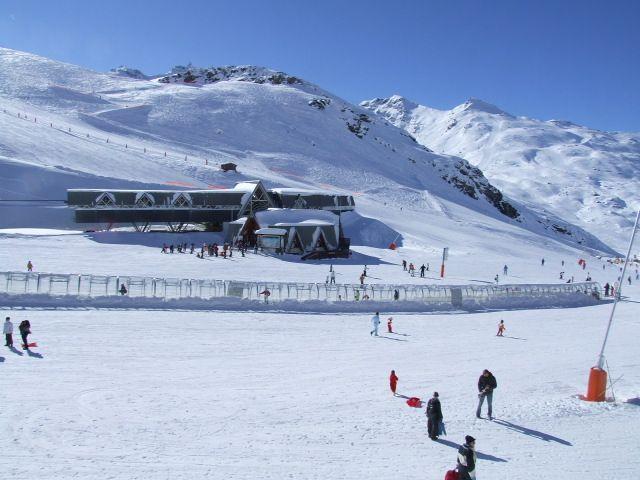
(434, 416)
(393, 382)
(467, 459)
(7, 329)
(375, 320)
(486, 385)
(25, 330)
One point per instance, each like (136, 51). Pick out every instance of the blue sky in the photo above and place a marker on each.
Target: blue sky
(578, 61)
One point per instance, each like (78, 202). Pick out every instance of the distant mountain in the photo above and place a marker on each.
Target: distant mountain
(588, 177)
(275, 126)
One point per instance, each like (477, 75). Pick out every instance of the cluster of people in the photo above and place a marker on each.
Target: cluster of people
(24, 329)
(411, 268)
(466, 457)
(211, 250)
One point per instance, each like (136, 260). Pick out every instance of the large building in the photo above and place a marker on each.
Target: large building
(316, 213)
(177, 208)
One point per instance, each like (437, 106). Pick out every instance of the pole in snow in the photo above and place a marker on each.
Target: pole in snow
(445, 256)
(597, 386)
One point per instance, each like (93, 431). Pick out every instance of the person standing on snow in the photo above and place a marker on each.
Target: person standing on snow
(404, 265)
(375, 320)
(434, 416)
(396, 294)
(362, 278)
(29, 266)
(467, 459)
(123, 289)
(496, 278)
(505, 269)
(390, 325)
(542, 263)
(7, 329)
(501, 329)
(25, 330)
(422, 269)
(332, 277)
(486, 385)
(393, 382)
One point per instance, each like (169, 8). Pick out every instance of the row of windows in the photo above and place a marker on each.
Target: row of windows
(143, 200)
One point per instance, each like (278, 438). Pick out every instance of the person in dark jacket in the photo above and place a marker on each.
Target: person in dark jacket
(25, 330)
(486, 385)
(434, 416)
(467, 459)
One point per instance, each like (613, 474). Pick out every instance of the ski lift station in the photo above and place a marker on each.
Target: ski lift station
(307, 221)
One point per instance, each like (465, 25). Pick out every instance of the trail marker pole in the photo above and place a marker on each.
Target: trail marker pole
(445, 256)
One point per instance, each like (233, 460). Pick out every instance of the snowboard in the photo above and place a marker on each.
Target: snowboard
(30, 345)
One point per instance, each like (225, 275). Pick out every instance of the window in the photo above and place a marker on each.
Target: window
(105, 200)
(145, 200)
(182, 200)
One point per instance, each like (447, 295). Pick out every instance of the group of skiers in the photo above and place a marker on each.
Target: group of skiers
(212, 249)
(25, 331)
(411, 268)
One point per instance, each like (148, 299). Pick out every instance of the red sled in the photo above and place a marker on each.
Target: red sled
(414, 402)
(452, 475)
(30, 345)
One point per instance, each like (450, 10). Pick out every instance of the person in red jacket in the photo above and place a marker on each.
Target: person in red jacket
(393, 381)
(390, 324)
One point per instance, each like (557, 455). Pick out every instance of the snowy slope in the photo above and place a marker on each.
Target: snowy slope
(274, 126)
(588, 177)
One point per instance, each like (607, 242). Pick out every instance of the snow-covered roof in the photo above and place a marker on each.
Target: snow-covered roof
(271, 231)
(294, 216)
(302, 192)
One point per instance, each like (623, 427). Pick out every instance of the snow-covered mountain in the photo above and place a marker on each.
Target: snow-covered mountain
(588, 177)
(64, 126)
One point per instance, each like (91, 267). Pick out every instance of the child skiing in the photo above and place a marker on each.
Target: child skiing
(501, 329)
(393, 382)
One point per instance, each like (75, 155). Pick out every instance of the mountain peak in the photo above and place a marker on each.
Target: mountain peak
(124, 71)
(193, 75)
(477, 105)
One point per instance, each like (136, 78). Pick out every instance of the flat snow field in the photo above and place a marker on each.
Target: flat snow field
(186, 395)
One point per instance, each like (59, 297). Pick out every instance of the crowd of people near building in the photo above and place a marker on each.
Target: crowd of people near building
(209, 249)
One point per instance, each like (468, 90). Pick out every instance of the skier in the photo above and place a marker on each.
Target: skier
(362, 275)
(542, 263)
(629, 279)
(375, 320)
(404, 265)
(422, 269)
(193, 247)
(412, 269)
(562, 263)
(561, 275)
(171, 247)
(486, 385)
(29, 266)
(396, 294)
(164, 248)
(332, 277)
(467, 459)
(25, 330)
(7, 329)
(496, 278)
(393, 382)
(123, 289)
(390, 325)
(501, 329)
(505, 269)
(364, 272)
(427, 266)
(434, 416)
(266, 294)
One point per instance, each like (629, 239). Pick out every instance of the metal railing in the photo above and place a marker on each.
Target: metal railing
(177, 288)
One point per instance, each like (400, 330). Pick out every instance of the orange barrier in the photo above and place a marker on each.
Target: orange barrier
(597, 387)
